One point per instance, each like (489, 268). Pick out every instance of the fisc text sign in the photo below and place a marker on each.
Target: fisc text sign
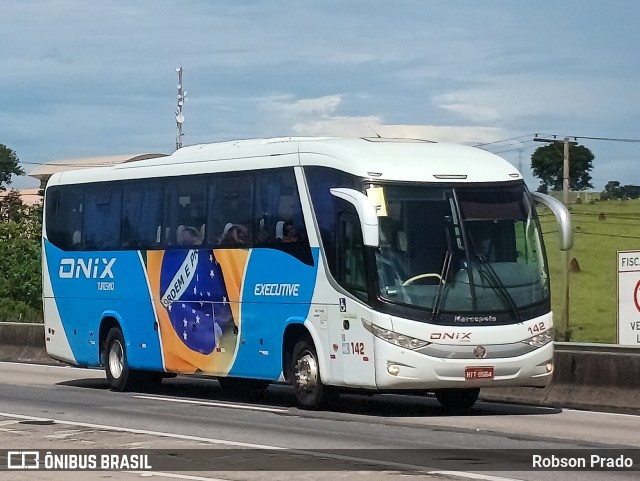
(629, 298)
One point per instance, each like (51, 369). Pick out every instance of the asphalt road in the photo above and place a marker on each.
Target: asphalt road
(381, 437)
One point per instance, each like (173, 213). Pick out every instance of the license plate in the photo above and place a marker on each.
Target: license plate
(473, 373)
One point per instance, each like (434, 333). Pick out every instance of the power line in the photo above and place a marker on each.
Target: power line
(512, 149)
(503, 140)
(610, 139)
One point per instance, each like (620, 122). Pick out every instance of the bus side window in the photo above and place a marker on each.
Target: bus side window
(351, 272)
(65, 205)
(279, 222)
(185, 205)
(102, 217)
(327, 207)
(231, 210)
(141, 215)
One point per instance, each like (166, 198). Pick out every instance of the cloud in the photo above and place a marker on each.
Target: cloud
(338, 126)
(444, 133)
(322, 116)
(320, 106)
(520, 99)
(55, 55)
(470, 105)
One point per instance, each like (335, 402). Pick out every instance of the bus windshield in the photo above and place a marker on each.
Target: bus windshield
(462, 253)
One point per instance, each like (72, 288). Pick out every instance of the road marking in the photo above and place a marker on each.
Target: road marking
(600, 412)
(26, 364)
(7, 422)
(63, 434)
(185, 437)
(188, 477)
(460, 474)
(248, 407)
(318, 453)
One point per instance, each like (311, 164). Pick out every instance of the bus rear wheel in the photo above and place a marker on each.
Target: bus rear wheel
(457, 399)
(310, 392)
(119, 376)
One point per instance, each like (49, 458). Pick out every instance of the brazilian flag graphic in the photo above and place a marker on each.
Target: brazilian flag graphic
(193, 292)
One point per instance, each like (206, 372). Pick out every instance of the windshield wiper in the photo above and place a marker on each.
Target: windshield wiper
(444, 274)
(496, 283)
(435, 309)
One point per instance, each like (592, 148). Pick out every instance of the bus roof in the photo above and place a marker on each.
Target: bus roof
(375, 158)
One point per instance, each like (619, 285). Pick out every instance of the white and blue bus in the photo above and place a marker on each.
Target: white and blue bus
(331, 264)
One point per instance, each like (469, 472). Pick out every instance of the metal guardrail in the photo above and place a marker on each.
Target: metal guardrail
(596, 347)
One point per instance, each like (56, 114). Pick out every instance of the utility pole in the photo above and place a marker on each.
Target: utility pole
(563, 329)
(182, 98)
(565, 173)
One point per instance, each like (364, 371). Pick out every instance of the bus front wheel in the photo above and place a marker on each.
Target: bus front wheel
(119, 376)
(310, 392)
(457, 399)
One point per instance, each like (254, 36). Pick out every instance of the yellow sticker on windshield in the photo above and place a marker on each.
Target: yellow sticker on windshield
(376, 196)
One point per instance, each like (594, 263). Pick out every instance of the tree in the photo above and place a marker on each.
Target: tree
(8, 166)
(547, 165)
(631, 191)
(613, 190)
(20, 266)
(20, 260)
(11, 207)
(20, 224)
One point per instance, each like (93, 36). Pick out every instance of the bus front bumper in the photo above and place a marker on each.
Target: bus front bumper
(401, 368)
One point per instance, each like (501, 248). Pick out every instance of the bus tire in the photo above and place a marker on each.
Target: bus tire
(310, 392)
(457, 399)
(119, 376)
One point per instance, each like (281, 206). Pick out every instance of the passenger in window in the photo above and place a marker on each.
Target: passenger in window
(235, 235)
(188, 236)
(290, 233)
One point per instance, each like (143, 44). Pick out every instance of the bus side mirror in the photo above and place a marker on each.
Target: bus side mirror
(562, 216)
(366, 213)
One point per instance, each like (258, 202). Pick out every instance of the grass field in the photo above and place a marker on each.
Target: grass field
(600, 231)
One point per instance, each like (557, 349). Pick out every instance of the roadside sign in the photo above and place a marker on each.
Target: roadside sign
(628, 328)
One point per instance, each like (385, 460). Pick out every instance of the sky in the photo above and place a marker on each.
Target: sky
(83, 79)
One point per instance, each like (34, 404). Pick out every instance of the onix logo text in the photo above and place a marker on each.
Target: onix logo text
(98, 268)
(454, 336)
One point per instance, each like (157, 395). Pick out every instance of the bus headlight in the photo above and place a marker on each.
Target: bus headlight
(393, 337)
(541, 339)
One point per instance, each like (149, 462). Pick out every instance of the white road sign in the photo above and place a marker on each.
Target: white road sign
(629, 298)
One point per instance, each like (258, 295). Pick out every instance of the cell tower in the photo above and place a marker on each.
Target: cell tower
(182, 98)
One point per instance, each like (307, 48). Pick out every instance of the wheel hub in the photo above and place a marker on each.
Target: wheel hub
(307, 373)
(116, 361)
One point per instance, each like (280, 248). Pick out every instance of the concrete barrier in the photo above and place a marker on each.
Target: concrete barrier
(587, 376)
(601, 377)
(23, 342)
